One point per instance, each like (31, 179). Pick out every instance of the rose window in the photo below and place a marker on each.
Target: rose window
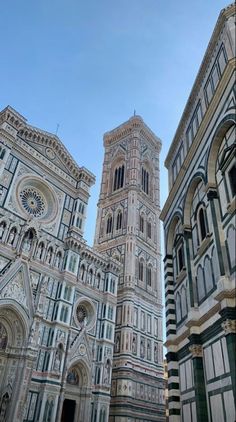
(33, 202)
(81, 313)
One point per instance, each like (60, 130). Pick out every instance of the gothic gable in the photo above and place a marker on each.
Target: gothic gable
(16, 286)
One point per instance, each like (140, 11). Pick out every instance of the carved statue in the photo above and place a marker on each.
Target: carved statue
(57, 361)
(40, 251)
(12, 236)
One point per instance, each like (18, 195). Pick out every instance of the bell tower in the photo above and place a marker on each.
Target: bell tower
(128, 229)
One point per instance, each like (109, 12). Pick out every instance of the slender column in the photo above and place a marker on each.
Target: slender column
(199, 383)
(229, 327)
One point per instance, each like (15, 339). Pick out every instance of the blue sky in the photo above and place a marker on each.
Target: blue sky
(86, 65)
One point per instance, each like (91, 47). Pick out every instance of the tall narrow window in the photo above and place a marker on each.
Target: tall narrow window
(119, 220)
(202, 224)
(109, 224)
(149, 276)
(141, 223)
(118, 178)
(145, 181)
(180, 256)
(149, 230)
(140, 270)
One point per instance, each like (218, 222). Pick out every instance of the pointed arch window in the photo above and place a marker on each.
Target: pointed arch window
(109, 224)
(141, 223)
(149, 229)
(202, 223)
(145, 181)
(118, 182)
(119, 220)
(140, 270)
(149, 275)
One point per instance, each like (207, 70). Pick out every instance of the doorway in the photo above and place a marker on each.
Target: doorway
(68, 411)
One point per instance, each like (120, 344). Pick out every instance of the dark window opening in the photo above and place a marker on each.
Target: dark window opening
(232, 179)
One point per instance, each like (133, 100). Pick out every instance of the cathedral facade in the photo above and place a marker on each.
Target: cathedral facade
(58, 296)
(199, 224)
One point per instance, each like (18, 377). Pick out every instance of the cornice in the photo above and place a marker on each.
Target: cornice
(224, 15)
(199, 136)
(32, 135)
(135, 127)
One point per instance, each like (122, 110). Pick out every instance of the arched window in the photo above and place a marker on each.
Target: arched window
(141, 223)
(119, 220)
(118, 181)
(109, 224)
(145, 181)
(149, 275)
(140, 270)
(149, 230)
(202, 223)
(180, 258)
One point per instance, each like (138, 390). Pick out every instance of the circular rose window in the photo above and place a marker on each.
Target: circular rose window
(36, 198)
(85, 313)
(81, 314)
(33, 202)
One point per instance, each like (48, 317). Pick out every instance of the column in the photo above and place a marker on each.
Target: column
(229, 327)
(173, 386)
(199, 382)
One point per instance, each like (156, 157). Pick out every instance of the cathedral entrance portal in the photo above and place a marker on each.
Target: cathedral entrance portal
(68, 411)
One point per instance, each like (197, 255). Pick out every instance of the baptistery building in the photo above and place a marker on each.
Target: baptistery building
(58, 296)
(199, 224)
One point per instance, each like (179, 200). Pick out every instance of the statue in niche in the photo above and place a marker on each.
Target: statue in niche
(58, 260)
(3, 337)
(40, 251)
(3, 407)
(11, 237)
(32, 333)
(27, 241)
(155, 354)
(107, 370)
(134, 345)
(142, 351)
(57, 361)
(117, 345)
(49, 256)
(2, 229)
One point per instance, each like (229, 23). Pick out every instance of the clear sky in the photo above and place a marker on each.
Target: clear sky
(87, 64)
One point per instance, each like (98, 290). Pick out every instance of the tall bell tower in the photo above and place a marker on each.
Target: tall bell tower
(128, 229)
